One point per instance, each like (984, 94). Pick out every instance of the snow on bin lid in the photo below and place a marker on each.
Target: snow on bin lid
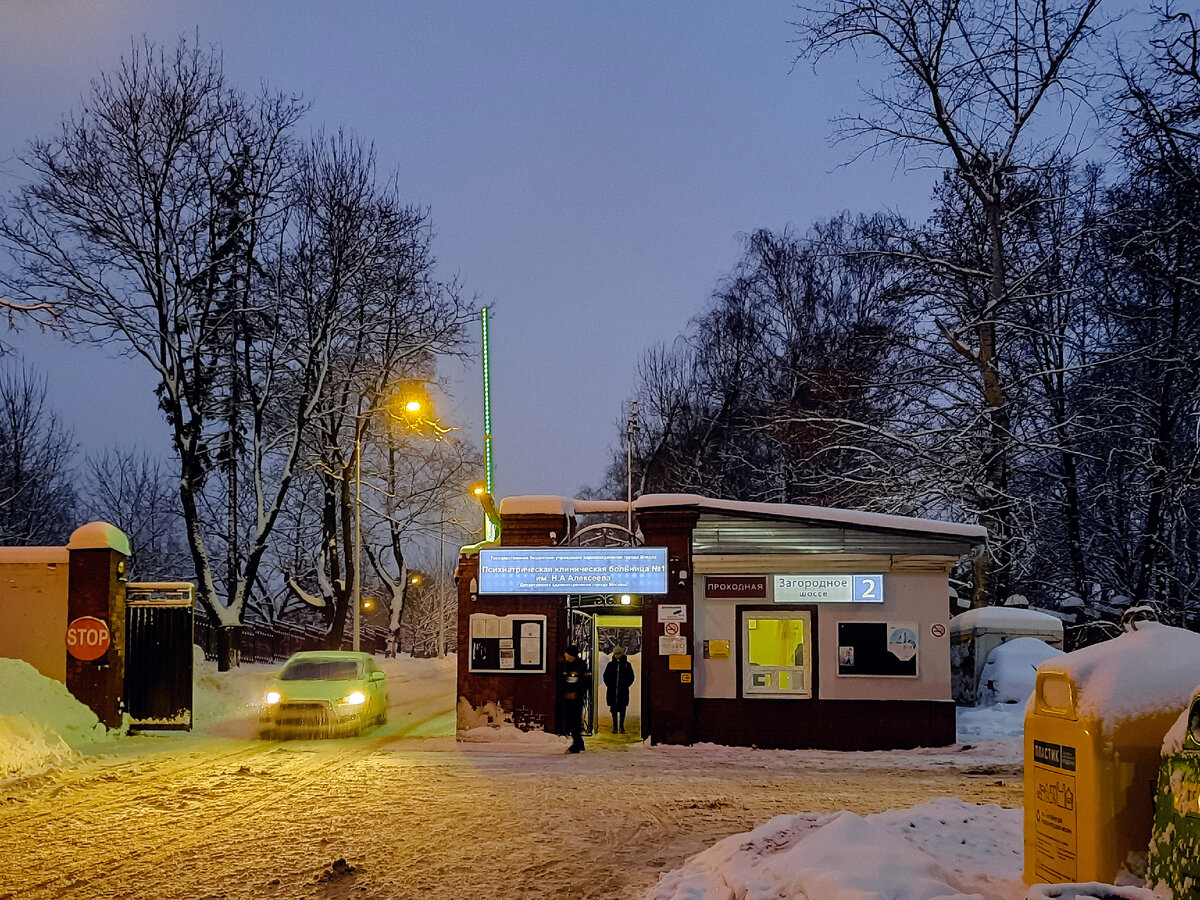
(1009, 619)
(99, 536)
(1152, 670)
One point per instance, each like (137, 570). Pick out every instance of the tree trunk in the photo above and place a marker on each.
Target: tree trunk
(229, 647)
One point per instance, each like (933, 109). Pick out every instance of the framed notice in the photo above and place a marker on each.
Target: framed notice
(507, 644)
(878, 649)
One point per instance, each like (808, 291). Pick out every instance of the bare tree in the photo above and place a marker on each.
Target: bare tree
(37, 498)
(134, 491)
(145, 222)
(966, 84)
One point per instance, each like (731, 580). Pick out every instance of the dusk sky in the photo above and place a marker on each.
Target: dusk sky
(589, 168)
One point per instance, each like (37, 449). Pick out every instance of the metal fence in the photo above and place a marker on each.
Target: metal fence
(268, 642)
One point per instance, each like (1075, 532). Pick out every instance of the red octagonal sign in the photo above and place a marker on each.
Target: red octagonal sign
(88, 638)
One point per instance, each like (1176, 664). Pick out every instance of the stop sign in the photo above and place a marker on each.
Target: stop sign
(88, 638)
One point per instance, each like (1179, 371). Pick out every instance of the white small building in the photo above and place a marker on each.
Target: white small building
(977, 632)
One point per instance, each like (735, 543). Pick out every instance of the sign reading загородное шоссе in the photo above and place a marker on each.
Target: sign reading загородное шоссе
(828, 588)
(573, 570)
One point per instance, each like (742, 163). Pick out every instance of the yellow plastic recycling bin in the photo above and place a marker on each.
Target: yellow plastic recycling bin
(1090, 767)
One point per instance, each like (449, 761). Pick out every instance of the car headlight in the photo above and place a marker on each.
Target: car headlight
(357, 698)
(273, 697)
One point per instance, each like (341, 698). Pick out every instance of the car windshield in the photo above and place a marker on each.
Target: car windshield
(325, 670)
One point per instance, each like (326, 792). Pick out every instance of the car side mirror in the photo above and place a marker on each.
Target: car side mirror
(378, 676)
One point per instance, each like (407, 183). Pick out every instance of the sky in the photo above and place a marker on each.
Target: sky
(590, 170)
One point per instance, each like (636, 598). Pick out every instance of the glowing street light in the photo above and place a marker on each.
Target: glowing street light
(409, 403)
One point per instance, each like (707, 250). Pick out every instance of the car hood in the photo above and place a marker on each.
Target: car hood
(318, 690)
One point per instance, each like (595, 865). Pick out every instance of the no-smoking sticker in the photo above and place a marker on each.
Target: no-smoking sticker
(937, 629)
(671, 629)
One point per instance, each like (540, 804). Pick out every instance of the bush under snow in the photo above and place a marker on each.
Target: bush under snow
(1011, 670)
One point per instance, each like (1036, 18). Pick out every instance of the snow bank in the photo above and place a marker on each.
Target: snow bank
(987, 723)
(510, 734)
(939, 850)
(41, 723)
(1011, 670)
(1089, 891)
(1140, 673)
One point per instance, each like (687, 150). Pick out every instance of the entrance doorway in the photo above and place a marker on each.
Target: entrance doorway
(610, 631)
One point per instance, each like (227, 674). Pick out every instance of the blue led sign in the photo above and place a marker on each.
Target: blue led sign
(573, 570)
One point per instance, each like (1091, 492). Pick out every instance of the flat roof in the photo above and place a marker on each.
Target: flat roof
(548, 504)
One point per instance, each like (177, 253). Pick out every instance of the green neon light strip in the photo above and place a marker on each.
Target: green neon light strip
(490, 530)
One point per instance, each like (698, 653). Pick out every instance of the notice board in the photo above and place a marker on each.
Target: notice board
(877, 649)
(508, 644)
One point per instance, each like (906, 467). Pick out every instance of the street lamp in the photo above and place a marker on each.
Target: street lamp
(412, 399)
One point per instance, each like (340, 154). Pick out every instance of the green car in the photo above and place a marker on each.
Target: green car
(324, 693)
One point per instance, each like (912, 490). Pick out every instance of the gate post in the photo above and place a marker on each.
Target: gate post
(98, 561)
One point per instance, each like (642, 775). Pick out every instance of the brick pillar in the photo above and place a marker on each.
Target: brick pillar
(96, 587)
(668, 700)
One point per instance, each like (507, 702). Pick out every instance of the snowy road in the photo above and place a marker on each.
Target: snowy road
(211, 817)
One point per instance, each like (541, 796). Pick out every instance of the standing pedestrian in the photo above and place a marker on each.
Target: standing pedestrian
(618, 677)
(575, 679)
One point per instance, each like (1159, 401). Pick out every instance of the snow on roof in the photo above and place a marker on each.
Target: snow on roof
(549, 504)
(1009, 619)
(537, 504)
(34, 555)
(825, 515)
(99, 536)
(1152, 670)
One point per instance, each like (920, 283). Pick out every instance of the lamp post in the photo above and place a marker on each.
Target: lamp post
(356, 589)
(414, 409)
(631, 428)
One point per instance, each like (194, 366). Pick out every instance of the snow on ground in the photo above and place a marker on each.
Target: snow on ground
(920, 849)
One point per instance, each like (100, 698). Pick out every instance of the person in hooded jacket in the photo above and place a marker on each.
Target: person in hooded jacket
(618, 678)
(575, 678)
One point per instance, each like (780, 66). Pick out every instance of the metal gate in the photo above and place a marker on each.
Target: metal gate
(158, 655)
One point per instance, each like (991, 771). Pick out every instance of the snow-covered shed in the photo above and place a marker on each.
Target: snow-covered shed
(776, 625)
(975, 633)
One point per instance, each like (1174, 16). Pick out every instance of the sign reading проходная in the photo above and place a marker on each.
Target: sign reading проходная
(828, 588)
(573, 570)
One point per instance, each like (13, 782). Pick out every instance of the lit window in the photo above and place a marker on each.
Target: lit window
(777, 654)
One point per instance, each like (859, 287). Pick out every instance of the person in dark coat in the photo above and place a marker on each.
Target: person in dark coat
(618, 677)
(574, 679)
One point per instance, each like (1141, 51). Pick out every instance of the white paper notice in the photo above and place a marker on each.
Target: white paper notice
(672, 646)
(531, 651)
